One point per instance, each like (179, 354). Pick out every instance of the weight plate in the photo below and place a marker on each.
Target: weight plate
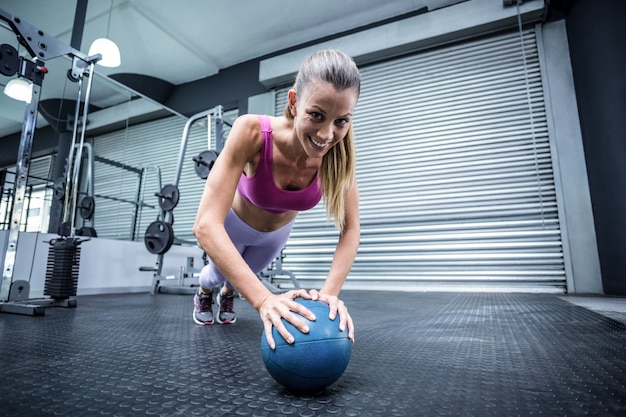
(59, 189)
(9, 60)
(159, 237)
(204, 162)
(87, 231)
(87, 207)
(168, 197)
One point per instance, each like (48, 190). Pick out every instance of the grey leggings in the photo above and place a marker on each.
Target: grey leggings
(257, 248)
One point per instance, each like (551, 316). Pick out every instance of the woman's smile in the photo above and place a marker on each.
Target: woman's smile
(319, 145)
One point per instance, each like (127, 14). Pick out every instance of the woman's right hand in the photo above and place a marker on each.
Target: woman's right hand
(276, 307)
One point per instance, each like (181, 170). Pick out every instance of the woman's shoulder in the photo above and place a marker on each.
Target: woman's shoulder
(250, 125)
(246, 128)
(247, 122)
(252, 120)
(245, 134)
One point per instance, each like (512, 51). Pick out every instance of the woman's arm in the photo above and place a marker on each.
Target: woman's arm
(343, 260)
(219, 191)
(347, 245)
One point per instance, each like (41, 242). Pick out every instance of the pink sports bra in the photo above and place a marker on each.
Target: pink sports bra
(260, 189)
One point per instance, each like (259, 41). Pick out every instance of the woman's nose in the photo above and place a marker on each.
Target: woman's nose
(325, 132)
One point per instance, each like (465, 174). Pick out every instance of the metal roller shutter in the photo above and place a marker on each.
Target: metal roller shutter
(455, 174)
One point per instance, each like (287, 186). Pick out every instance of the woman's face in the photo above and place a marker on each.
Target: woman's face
(322, 116)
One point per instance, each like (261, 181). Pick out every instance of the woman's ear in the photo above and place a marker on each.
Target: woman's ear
(291, 100)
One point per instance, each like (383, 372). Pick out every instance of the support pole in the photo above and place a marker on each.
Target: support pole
(72, 187)
(79, 24)
(70, 162)
(21, 176)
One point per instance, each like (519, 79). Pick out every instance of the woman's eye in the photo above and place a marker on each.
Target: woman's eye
(316, 115)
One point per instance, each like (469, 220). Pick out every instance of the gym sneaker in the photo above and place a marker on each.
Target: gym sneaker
(203, 308)
(227, 311)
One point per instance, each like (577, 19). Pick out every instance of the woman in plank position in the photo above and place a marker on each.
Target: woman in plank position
(270, 169)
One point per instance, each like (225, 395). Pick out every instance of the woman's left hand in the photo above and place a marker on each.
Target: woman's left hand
(337, 306)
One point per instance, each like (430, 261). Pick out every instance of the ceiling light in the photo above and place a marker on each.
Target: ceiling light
(106, 47)
(19, 89)
(109, 51)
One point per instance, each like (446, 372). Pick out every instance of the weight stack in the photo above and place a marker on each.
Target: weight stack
(62, 270)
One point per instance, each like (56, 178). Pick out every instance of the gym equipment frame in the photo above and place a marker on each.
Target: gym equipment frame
(14, 294)
(159, 236)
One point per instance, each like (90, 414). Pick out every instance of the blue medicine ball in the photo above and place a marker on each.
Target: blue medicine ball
(316, 359)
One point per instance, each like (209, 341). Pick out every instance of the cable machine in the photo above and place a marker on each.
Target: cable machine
(14, 293)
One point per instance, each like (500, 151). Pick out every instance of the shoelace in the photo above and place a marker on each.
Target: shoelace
(204, 302)
(226, 303)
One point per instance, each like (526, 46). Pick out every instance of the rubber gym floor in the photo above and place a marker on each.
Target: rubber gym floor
(416, 354)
